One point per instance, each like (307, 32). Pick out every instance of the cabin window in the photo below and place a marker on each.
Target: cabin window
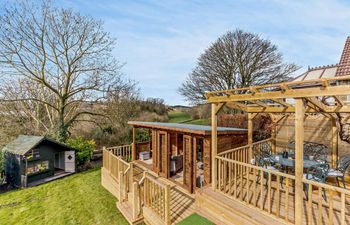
(38, 167)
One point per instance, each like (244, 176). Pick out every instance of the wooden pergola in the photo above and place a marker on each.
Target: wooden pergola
(325, 96)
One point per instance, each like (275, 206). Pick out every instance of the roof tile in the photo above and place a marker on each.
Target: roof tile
(344, 64)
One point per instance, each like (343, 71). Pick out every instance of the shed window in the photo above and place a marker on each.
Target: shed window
(38, 167)
(33, 154)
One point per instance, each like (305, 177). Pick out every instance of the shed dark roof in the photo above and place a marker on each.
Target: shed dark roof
(190, 128)
(23, 143)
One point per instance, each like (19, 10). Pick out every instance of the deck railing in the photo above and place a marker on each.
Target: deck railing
(253, 186)
(156, 198)
(113, 163)
(123, 151)
(272, 192)
(333, 208)
(242, 154)
(151, 198)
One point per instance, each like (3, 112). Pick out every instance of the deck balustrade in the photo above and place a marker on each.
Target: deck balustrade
(272, 192)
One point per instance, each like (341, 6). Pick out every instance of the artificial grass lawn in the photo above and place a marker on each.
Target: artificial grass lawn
(195, 219)
(77, 199)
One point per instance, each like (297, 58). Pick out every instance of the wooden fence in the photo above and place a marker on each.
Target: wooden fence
(272, 192)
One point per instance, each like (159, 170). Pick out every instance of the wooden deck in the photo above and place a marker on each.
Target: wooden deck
(182, 204)
(319, 205)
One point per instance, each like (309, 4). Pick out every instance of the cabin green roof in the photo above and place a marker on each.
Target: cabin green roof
(23, 143)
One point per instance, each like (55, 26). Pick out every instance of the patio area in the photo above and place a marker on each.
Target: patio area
(290, 176)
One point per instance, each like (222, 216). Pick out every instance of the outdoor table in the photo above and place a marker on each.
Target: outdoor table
(291, 162)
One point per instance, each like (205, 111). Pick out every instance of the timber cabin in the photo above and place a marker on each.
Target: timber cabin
(306, 113)
(182, 152)
(33, 160)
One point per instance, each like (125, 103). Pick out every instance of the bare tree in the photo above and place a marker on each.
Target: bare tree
(54, 62)
(236, 59)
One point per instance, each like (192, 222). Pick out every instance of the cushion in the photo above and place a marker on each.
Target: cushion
(334, 173)
(271, 168)
(310, 177)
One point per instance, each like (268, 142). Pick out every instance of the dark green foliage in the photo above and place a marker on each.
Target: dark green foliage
(1, 160)
(83, 149)
(12, 168)
(2, 168)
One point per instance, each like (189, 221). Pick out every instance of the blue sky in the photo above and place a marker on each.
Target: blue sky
(160, 40)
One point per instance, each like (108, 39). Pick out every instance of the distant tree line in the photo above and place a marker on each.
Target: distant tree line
(58, 77)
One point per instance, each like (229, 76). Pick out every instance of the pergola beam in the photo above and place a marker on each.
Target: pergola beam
(260, 103)
(317, 103)
(338, 100)
(291, 109)
(289, 93)
(236, 105)
(281, 102)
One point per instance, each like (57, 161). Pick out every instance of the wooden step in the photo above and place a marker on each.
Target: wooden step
(126, 209)
(223, 210)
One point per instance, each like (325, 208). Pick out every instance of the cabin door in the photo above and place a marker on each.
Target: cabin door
(188, 163)
(162, 150)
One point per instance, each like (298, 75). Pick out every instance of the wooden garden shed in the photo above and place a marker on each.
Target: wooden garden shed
(32, 160)
(182, 152)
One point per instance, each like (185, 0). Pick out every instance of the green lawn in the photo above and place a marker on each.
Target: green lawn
(77, 199)
(195, 219)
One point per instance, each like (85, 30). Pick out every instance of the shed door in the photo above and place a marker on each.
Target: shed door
(188, 163)
(69, 161)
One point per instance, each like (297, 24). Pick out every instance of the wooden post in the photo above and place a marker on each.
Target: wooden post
(135, 199)
(150, 138)
(214, 144)
(121, 187)
(334, 143)
(131, 176)
(167, 205)
(299, 155)
(273, 136)
(250, 135)
(133, 143)
(104, 157)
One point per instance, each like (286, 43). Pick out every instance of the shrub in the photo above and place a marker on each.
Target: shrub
(83, 150)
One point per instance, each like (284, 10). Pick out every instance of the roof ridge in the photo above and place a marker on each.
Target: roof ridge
(322, 67)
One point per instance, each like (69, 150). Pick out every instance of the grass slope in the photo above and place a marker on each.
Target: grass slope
(77, 199)
(185, 117)
(178, 116)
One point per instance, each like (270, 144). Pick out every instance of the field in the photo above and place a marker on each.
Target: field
(77, 199)
(185, 117)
